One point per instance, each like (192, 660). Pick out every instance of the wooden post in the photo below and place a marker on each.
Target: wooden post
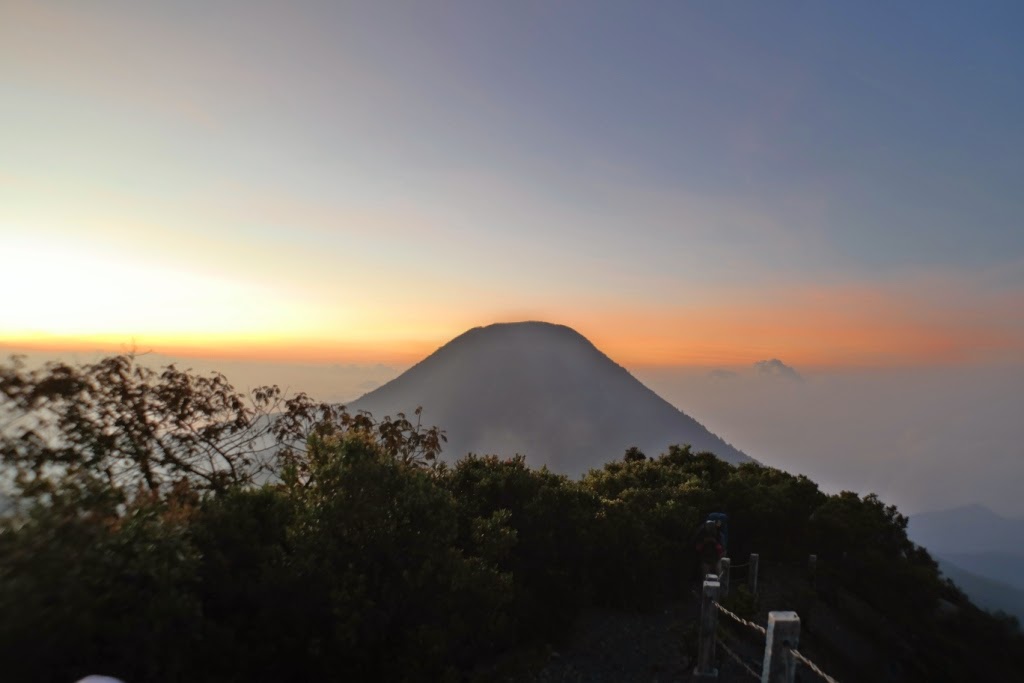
(783, 635)
(752, 572)
(724, 565)
(812, 569)
(705, 669)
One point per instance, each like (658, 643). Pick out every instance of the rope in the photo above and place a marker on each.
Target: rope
(812, 666)
(738, 660)
(738, 566)
(759, 629)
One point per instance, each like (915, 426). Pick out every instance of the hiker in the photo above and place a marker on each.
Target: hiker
(709, 548)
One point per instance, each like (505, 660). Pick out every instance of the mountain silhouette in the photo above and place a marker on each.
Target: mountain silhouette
(541, 390)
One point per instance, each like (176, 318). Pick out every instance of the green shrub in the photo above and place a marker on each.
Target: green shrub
(82, 591)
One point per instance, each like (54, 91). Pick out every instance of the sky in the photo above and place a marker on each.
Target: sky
(693, 186)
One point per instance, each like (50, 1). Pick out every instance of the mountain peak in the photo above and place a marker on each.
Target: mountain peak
(535, 325)
(542, 390)
(528, 329)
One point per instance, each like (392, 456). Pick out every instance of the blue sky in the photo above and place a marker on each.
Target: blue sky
(896, 130)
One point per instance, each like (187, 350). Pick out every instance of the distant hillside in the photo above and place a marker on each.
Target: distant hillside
(981, 551)
(968, 529)
(1005, 567)
(984, 592)
(541, 390)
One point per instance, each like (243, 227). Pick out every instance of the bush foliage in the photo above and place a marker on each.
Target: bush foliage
(166, 528)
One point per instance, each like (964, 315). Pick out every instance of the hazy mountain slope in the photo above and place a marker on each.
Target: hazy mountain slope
(981, 551)
(968, 529)
(1006, 567)
(984, 592)
(544, 391)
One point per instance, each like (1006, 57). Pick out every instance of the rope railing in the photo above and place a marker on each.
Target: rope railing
(810, 665)
(781, 637)
(735, 617)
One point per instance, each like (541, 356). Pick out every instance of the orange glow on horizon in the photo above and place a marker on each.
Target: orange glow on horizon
(813, 333)
(844, 327)
(97, 303)
(287, 351)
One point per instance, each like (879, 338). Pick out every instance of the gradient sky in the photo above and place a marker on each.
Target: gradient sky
(318, 194)
(700, 183)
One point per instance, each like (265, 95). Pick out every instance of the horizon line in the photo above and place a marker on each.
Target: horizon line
(410, 352)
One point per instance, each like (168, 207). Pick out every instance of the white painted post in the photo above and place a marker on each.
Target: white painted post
(752, 572)
(705, 669)
(783, 635)
(724, 565)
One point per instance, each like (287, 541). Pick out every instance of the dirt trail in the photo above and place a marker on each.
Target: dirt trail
(610, 646)
(658, 646)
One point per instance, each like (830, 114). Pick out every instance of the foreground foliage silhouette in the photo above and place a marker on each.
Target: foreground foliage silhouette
(166, 527)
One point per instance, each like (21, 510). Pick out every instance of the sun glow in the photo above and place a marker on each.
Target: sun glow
(64, 295)
(57, 292)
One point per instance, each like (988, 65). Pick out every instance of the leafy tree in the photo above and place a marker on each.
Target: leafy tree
(551, 521)
(646, 519)
(770, 512)
(377, 539)
(257, 608)
(634, 454)
(101, 591)
(124, 424)
(119, 426)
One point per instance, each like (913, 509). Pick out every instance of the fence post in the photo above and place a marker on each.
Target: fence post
(752, 572)
(723, 575)
(705, 669)
(812, 569)
(783, 635)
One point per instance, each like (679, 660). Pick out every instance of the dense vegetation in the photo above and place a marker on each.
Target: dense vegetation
(165, 528)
